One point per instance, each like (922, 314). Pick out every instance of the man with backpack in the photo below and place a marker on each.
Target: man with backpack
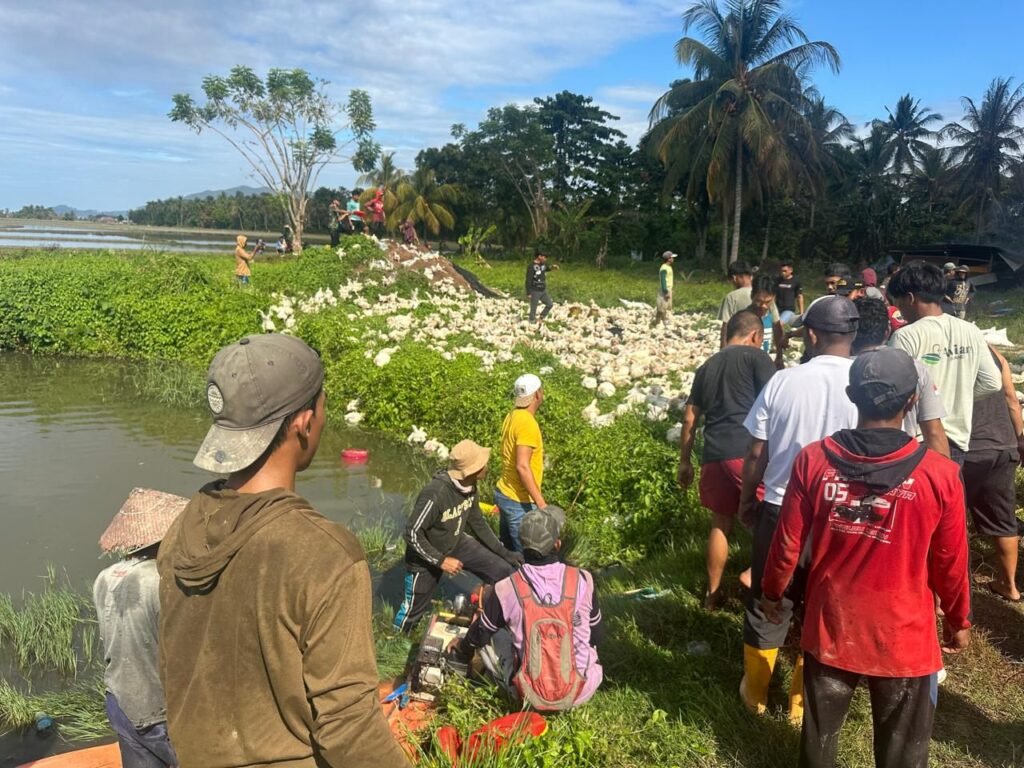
(543, 612)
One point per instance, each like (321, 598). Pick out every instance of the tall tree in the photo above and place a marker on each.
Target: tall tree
(988, 143)
(283, 127)
(745, 94)
(906, 132)
(581, 139)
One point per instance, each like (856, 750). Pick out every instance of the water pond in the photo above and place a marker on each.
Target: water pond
(78, 437)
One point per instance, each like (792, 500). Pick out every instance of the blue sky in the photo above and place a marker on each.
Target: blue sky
(85, 86)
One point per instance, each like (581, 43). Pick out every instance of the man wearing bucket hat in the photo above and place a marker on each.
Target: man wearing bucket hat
(267, 651)
(522, 460)
(447, 533)
(127, 600)
(883, 519)
(505, 629)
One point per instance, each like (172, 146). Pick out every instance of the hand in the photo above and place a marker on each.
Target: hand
(954, 642)
(514, 558)
(748, 512)
(685, 475)
(1020, 449)
(770, 609)
(451, 566)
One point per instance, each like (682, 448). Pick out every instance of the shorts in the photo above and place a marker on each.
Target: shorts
(720, 486)
(991, 495)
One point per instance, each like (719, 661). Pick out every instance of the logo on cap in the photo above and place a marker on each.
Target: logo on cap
(215, 399)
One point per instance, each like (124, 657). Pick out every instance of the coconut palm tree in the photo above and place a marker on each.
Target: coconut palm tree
(906, 132)
(746, 89)
(385, 174)
(829, 131)
(988, 143)
(424, 201)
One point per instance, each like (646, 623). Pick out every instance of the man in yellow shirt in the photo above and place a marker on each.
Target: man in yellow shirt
(522, 461)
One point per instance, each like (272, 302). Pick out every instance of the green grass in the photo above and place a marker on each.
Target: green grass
(584, 282)
(381, 544)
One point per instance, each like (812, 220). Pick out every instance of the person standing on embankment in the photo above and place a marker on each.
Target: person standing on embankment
(267, 651)
(242, 261)
(537, 285)
(522, 460)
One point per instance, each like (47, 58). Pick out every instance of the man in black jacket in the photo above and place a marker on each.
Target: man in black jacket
(437, 539)
(537, 285)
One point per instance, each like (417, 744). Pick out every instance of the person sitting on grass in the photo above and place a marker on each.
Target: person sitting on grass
(723, 392)
(544, 612)
(437, 536)
(884, 520)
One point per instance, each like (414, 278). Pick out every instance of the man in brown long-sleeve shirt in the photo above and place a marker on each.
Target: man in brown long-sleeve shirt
(267, 654)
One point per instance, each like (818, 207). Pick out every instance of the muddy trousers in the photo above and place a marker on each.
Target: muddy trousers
(421, 582)
(902, 712)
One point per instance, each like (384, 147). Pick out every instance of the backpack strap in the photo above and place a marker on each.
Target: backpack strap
(523, 587)
(570, 583)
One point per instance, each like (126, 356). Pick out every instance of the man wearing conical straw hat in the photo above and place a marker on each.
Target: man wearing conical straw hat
(266, 642)
(127, 596)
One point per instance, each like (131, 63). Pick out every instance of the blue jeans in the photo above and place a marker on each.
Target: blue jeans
(512, 512)
(140, 747)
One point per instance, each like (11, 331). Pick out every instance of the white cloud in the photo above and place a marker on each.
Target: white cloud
(417, 58)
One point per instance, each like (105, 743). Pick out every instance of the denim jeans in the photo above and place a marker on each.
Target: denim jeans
(512, 512)
(140, 747)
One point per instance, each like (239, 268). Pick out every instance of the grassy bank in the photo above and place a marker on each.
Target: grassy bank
(672, 669)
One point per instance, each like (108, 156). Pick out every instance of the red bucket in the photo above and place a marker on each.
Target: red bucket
(355, 456)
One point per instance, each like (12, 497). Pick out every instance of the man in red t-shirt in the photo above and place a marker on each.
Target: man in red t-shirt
(885, 517)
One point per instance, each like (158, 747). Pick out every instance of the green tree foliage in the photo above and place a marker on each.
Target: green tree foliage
(906, 133)
(425, 202)
(284, 127)
(988, 144)
(743, 120)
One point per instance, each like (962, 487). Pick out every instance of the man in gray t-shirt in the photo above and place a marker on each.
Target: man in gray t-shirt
(924, 421)
(127, 598)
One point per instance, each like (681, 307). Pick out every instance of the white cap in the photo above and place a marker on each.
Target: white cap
(525, 388)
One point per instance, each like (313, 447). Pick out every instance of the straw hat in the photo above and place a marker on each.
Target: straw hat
(142, 521)
(466, 459)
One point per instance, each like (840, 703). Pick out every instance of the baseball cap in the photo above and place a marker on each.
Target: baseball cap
(525, 388)
(962, 268)
(949, 266)
(882, 377)
(541, 528)
(466, 459)
(251, 387)
(832, 314)
(738, 268)
(668, 255)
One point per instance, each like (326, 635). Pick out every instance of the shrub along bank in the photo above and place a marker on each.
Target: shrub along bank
(618, 480)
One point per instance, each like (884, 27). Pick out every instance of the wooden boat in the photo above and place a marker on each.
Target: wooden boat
(107, 756)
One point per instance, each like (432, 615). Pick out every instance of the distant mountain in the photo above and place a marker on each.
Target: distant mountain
(80, 213)
(244, 190)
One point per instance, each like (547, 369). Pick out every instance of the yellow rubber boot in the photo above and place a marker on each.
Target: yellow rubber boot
(758, 666)
(796, 693)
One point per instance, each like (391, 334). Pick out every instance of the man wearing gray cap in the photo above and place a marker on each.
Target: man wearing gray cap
(267, 653)
(884, 520)
(797, 407)
(545, 611)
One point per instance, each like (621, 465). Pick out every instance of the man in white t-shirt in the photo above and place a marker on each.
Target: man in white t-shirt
(797, 407)
(954, 350)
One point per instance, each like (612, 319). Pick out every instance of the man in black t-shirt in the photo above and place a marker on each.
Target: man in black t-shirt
(537, 285)
(789, 295)
(724, 390)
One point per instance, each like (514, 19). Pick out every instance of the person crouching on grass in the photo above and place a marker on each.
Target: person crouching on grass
(885, 519)
(437, 536)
